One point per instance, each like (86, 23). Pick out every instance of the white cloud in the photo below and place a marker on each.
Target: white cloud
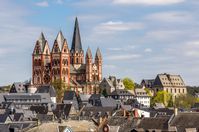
(42, 4)
(117, 26)
(125, 48)
(190, 49)
(123, 57)
(171, 16)
(147, 2)
(148, 50)
(164, 35)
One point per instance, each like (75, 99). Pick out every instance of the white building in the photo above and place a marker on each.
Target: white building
(142, 97)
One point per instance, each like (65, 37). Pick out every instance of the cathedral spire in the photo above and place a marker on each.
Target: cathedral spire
(42, 41)
(60, 39)
(88, 53)
(98, 54)
(76, 42)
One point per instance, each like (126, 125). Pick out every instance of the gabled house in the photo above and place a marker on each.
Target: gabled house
(110, 84)
(173, 84)
(49, 89)
(70, 97)
(101, 101)
(147, 83)
(142, 97)
(121, 94)
(18, 87)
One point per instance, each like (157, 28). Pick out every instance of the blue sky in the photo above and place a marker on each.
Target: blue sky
(138, 38)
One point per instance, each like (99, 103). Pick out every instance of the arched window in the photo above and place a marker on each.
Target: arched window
(77, 60)
(55, 72)
(39, 62)
(46, 51)
(38, 79)
(58, 72)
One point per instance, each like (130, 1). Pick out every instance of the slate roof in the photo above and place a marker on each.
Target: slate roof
(169, 80)
(186, 120)
(62, 109)
(108, 102)
(17, 116)
(84, 97)
(76, 41)
(148, 82)
(89, 53)
(39, 109)
(3, 117)
(69, 95)
(47, 89)
(160, 123)
(42, 41)
(95, 96)
(98, 54)
(97, 111)
(21, 96)
(60, 40)
(4, 128)
(121, 92)
(140, 92)
(18, 87)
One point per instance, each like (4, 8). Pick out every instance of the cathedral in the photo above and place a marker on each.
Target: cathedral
(80, 73)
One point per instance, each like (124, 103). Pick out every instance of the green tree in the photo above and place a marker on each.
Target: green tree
(128, 83)
(185, 101)
(60, 87)
(161, 97)
(148, 91)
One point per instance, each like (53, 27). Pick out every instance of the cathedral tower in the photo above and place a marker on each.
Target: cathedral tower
(41, 62)
(76, 52)
(60, 56)
(98, 63)
(89, 65)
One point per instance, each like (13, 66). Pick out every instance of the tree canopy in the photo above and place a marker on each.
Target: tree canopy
(129, 83)
(185, 101)
(162, 97)
(60, 87)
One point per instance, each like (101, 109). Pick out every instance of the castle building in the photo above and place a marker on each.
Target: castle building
(69, 65)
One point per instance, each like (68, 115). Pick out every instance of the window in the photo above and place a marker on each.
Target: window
(77, 60)
(38, 79)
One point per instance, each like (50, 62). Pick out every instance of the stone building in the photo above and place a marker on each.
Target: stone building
(110, 84)
(173, 84)
(68, 65)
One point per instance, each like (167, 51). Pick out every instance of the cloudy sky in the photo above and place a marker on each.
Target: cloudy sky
(138, 38)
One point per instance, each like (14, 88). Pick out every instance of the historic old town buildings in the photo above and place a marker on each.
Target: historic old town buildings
(69, 65)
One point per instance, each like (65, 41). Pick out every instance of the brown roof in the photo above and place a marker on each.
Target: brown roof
(186, 120)
(160, 123)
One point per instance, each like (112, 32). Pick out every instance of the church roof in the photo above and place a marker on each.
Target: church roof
(98, 54)
(76, 42)
(42, 41)
(88, 53)
(60, 39)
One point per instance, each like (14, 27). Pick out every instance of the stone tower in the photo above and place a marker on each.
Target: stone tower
(60, 60)
(89, 64)
(98, 63)
(76, 52)
(41, 62)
